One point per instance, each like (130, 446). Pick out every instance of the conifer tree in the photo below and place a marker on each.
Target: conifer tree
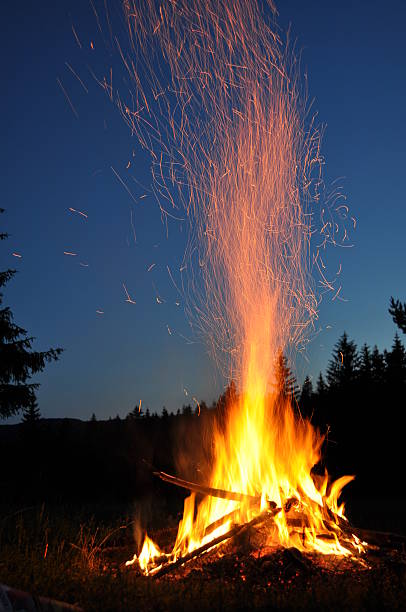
(285, 380)
(365, 367)
(378, 367)
(306, 397)
(396, 363)
(398, 312)
(18, 362)
(31, 413)
(343, 367)
(321, 387)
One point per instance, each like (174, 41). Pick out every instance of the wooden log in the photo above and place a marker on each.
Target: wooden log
(14, 599)
(237, 529)
(205, 490)
(221, 521)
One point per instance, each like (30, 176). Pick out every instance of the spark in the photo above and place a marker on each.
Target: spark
(70, 253)
(124, 185)
(79, 212)
(139, 407)
(132, 225)
(100, 312)
(198, 405)
(151, 267)
(169, 330)
(128, 298)
(17, 255)
(77, 76)
(158, 298)
(76, 37)
(67, 98)
(188, 340)
(337, 294)
(172, 279)
(84, 265)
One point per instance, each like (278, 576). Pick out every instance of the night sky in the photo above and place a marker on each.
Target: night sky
(54, 158)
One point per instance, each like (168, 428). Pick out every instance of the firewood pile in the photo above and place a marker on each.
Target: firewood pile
(244, 550)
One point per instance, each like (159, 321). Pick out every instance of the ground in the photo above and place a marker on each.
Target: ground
(78, 555)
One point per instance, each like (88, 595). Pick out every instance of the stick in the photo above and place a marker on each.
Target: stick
(226, 536)
(223, 519)
(204, 490)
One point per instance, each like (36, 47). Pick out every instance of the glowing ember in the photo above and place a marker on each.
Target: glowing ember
(225, 123)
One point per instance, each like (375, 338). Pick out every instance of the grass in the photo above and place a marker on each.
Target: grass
(77, 555)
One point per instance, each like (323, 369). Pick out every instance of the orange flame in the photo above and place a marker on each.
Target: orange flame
(228, 134)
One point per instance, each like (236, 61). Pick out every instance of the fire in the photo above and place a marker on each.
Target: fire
(226, 122)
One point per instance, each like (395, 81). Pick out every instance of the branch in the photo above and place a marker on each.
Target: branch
(205, 490)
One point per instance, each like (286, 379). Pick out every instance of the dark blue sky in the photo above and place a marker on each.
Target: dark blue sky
(354, 53)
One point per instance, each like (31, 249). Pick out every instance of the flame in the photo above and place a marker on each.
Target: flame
(227, 127)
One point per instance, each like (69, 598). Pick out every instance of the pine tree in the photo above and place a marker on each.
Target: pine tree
(31, 414)
(306, 397)
(321, 387)
(285, 380)
(343, 367)
(18, 362)
(396, 363)
(365, 367)
(398, 312)
(378, 367)
(135, 413)
(307, 389)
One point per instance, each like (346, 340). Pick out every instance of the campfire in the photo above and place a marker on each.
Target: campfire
(226, 122)
(293, 512)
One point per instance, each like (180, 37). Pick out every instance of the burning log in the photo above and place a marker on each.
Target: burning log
(221, 521)
(236, 530)
(205, 490)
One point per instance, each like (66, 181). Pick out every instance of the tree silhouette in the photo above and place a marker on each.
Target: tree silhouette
(396, 364)
(365, 366)
(343, 367)
(321, 387)
(398, 312)
(378, 367)
(306, 397)
(285, 380)
(18, 362)
(31, 414)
